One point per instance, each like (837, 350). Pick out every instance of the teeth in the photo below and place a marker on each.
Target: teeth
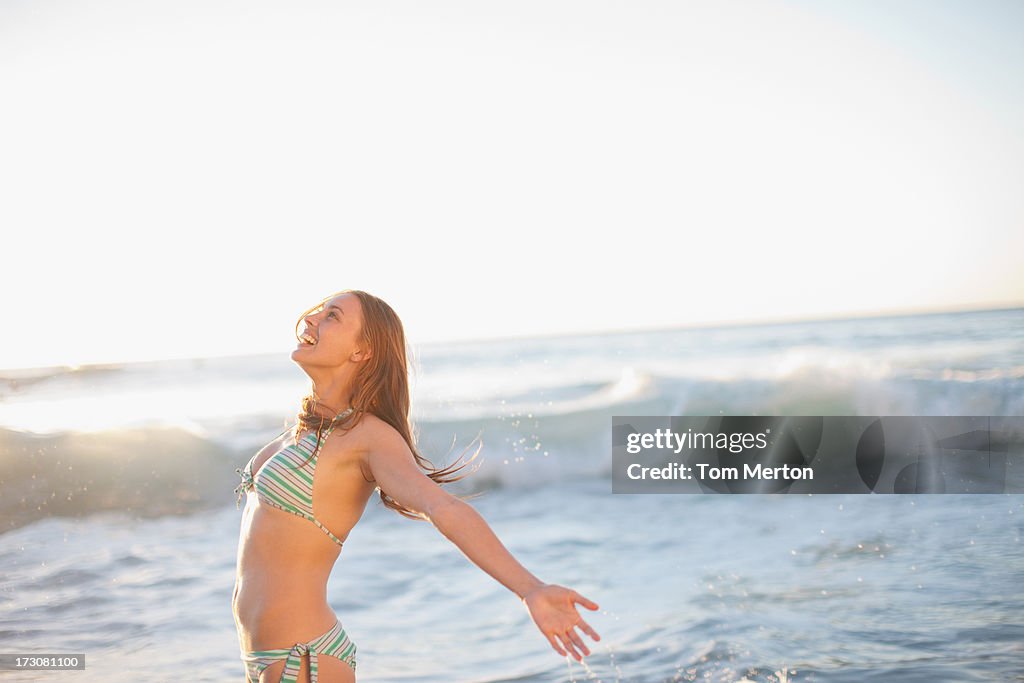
(308, 339)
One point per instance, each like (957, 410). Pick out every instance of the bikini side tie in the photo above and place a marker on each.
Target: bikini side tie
(294, 661)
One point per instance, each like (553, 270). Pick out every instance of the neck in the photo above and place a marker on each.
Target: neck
(332, 389)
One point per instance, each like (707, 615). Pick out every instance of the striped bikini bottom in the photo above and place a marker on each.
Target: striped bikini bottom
(335, 643)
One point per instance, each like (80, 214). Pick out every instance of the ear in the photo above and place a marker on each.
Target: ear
(364, 354)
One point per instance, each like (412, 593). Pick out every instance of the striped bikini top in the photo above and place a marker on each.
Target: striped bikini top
(284, 482)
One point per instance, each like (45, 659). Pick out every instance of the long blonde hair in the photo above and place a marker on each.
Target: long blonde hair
(381, 388)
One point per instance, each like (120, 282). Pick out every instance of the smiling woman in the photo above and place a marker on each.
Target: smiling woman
(384, 387)
(353, 437)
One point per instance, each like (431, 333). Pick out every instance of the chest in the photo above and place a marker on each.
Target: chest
(290, 466)
(289, 470)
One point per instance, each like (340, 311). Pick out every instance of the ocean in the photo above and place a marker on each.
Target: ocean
(118, 525)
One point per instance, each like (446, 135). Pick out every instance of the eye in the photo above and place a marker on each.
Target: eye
(332, 314)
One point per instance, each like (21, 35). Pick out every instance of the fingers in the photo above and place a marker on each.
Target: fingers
(567, 642)
(589, 604)
(569, 645)
(578, 642)
(554, 644)
(589, 631)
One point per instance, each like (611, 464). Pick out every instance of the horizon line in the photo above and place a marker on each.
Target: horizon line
(705, 325)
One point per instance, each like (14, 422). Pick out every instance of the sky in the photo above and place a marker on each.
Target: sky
(184, 178)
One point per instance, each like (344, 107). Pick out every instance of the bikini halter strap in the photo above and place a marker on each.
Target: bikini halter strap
(334, 423)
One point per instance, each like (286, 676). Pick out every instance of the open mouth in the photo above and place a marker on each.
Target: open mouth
(307, 339)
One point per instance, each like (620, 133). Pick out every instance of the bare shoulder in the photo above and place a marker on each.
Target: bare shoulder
(370, 430)
(363, 443)
(382, 443)
(391, 463)
(377, 435)
(378, 428)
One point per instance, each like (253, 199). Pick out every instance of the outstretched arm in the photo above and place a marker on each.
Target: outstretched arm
(552, 607)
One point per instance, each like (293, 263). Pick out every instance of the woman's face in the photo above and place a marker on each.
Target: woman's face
(331, 334)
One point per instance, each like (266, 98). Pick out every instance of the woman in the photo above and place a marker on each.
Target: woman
(353, 432)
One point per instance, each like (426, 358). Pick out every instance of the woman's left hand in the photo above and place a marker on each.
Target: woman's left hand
(553, 610)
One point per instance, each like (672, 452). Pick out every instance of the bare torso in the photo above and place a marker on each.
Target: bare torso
(285, 561)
